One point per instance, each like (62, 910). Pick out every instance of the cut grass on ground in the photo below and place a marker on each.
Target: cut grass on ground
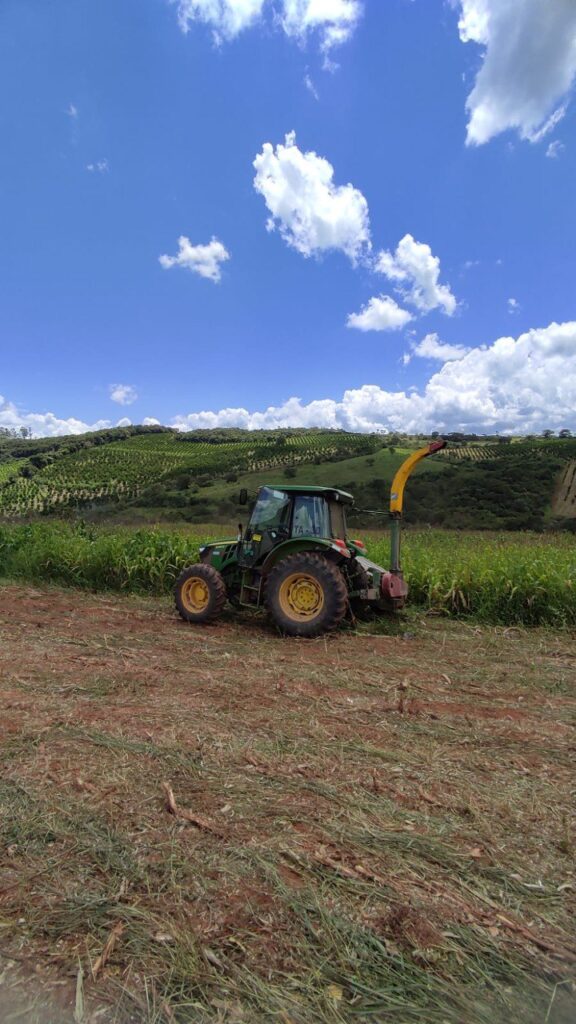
(220, 825)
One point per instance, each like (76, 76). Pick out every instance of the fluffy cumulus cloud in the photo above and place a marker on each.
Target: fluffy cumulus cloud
(123, 394)
(204, 260)
(519, 384)
(333, 20)
(380, 314)
(528, 66)
(44, 424)
(416, 272)
(431, 347)
(313, 214)
(516, 385)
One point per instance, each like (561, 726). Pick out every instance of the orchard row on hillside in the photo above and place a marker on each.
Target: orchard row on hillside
(88, 471)
(141, 472)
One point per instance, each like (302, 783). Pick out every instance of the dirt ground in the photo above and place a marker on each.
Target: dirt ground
(219, 824)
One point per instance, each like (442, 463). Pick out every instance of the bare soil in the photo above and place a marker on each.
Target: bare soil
(219, 824)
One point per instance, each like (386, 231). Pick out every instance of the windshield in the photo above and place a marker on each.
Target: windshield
(271, 511)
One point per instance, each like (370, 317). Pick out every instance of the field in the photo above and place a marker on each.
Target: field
(140, 474)
(531, 449)
(507, 578)
(222, 826)
(218, 825)
(122, 469)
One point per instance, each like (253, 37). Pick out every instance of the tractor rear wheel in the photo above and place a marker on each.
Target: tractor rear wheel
(200, 593)
(306, 594)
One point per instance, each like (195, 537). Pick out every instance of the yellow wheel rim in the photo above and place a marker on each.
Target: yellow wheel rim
(301, 597)
(195, 594)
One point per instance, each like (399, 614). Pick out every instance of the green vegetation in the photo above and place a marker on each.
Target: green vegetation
(510, 579)
(149, 463)
(514, 493)
(143, 474)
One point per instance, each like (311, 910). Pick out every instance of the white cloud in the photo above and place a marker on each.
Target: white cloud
(72, 111)
(432, 348)
(312, 214)
(226, 17)
(100, 167)
(310, 86)
(417, 270)
(521, 385)
(335, 20)
(548, 126)
(150, 421)
(123, 394)
(204, 260)
(380, 314)
(513, 306)
(528, 67)
(555, 149)
(517, 385)
(44, 424)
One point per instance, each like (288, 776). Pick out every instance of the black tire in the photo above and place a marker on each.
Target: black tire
(306, 594)
(199, 593)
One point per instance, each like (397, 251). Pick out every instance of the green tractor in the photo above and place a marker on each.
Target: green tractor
(297, 560)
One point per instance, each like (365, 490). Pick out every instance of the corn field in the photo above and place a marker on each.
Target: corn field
(510, 579)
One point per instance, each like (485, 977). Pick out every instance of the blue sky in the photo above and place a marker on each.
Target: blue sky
(430, 180)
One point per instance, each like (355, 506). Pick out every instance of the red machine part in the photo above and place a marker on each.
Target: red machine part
(394, 588)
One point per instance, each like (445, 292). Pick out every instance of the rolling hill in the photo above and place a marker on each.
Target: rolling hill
(141, 474)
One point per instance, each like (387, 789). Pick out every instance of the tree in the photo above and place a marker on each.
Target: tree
(565, 432)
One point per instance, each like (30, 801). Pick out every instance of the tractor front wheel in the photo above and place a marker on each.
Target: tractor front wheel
(200, 593)
(306, 594)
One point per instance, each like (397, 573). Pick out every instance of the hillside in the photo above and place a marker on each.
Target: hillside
(141, 474)
(119, 466)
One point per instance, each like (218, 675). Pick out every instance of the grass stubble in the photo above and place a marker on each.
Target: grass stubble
(366, 828)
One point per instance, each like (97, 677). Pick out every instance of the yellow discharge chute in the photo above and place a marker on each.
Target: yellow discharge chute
(399, 481)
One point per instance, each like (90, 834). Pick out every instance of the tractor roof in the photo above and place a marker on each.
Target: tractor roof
(326, 492)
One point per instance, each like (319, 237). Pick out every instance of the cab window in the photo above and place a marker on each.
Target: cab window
(338, 520)
(310, 517)
(271, 511)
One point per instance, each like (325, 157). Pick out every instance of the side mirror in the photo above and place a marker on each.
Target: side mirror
(243, 497)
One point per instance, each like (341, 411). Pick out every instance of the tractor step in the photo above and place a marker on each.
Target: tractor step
(251, 594)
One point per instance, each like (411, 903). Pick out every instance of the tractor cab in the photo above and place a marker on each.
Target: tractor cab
(284, 513)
